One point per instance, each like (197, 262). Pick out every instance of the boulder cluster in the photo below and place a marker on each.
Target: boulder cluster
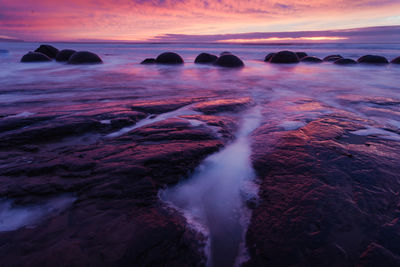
(226, 59)
(46, 53)
(289, 57)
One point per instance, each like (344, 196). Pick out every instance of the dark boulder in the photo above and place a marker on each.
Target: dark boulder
(35, 57)
(284, 57)
(169, 58)
(48, 50)
(205, 58)
(300, 55)
(230, 61)
(148, 61)
(84, 57)
(373, 59)
(332, 58)
(64, 55)
(268, 57)
(225, 53)
(395, 60)
(345, 61)
(311, 59)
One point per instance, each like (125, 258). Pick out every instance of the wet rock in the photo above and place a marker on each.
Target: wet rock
(332, 58)
(223, 105)
(64, 55)
(205, 58)
(284, 57)
(311, 59)
(35, 57)
(162, 106)
(300, 55)
(345, 61)
(48, 50)
(268, 57)
(169, 58)
(395, 60)
(229, 61)
(148, 61)
(84, 57)
(376, 255)
(306, 215)
(373, 59)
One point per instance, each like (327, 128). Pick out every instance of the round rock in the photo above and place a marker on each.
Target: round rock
(230, 61)
(268, 57)
(225, 53)
(372, 59)
(169, 58)
(300, 55)
(309, 59)
(345, 61)
(35, 57)
(395, 60)
(284, 57)
(332, 58)
(64, 55)
(48, 50)
(84, 57)
(148, 61)
(205, 58)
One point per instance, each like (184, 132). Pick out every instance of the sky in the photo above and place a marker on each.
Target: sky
(198, 20)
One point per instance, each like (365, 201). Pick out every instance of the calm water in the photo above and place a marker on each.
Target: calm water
(288, 96)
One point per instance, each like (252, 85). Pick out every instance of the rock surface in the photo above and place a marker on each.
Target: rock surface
(169, 58)
(345, 61)
(284, 57)
(301, 55)
(84, 57)
(309, 59)
(373, 59)
(64, 55)
(35, 57)
(332, 58)
(48, 50)
(395, 60)
(148, 61)
(229, 61)
(205, 58)
(326, 195)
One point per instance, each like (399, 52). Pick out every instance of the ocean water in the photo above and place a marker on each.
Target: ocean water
(286, 96)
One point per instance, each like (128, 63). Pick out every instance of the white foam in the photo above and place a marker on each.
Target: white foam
(380, 132)
(292, 125)
(105, 121)
(184, 111)
(14, 217)
(24, 114)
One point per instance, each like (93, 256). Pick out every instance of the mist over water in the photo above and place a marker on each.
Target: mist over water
(214, 196)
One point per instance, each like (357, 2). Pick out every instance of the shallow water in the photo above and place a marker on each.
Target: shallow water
(286, 96)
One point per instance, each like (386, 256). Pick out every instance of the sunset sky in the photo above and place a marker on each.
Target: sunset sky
(181, 20)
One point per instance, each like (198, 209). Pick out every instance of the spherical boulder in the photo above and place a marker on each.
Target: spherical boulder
(35, 57)
(225, 53)
(205, 58)
(309, 59)
(284, 57)
(48, 50)
(300, 55)
(84, 57)
(169, 58)
(64, 55)
(395, 60)
(345, 61)
(268, 57)
(148, 61)
(230, 61)
(332, 58)
(373, 59)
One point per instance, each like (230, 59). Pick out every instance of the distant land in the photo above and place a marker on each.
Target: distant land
(4, 39)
